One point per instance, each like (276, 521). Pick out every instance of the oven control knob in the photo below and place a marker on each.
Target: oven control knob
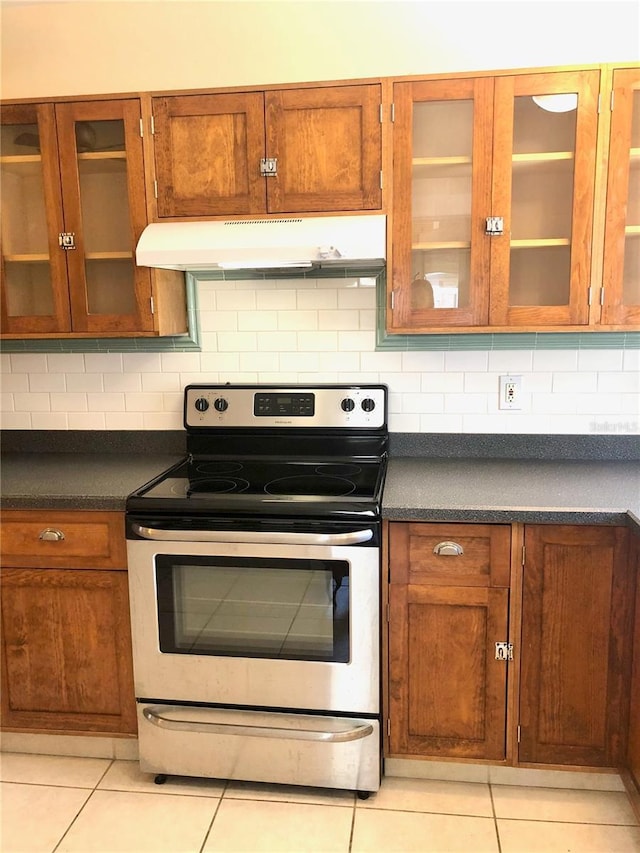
(220, 405)
(202, 404)
(368, 405)
(347, 405)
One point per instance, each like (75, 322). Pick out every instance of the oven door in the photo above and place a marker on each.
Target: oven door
(275, 621)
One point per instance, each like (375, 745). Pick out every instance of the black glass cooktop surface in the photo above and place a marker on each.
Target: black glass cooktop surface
(260, 479)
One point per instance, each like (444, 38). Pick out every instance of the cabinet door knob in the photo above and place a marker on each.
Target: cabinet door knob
(51, 534)
(448, 549)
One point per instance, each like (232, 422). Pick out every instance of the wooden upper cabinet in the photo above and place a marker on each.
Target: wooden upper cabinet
(493, 201)
(544, 160)
(207, 154)
(321, 149)
(621, 278)
(577, 618)
(73, 180)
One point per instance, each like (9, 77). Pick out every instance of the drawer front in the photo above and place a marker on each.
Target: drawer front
(73, 539)
(450, 554)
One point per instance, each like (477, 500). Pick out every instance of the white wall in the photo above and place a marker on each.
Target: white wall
(311, 331)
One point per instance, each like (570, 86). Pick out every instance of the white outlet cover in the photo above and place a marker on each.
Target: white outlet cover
(510, 393)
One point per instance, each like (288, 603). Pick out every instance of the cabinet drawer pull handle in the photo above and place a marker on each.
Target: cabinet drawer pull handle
(51, 534)
(448, 549)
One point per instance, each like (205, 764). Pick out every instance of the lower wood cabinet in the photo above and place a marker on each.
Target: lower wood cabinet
(565, 610)
(577, 621)
(66, 635)
(448, 607)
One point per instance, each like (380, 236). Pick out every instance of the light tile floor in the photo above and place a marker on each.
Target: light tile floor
(99, 805)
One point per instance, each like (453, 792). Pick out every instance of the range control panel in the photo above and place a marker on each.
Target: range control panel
(255, 406)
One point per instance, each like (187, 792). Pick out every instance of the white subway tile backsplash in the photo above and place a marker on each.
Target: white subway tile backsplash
(253, 321)
(317, 299)
(106, 402)
(49, 420)
(103, 362)
(31, 402)
(322, 330)
(276, 300)
(298, 320)
(571, 383)
(123, 420)
(6, 402)
(600, 359)
(87, 420)
(472, 361)
(555, 360)
(97, 381)
(28, 363)
(69, 402)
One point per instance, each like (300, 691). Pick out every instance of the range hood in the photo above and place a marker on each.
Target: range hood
(289, 244)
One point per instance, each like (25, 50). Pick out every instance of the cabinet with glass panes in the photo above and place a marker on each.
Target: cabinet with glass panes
(73, 207)
(494, 203)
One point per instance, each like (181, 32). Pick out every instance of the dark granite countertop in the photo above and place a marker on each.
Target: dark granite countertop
(76, 480)
(505, 490)
(554, 479)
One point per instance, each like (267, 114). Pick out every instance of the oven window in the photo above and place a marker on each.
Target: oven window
(259, 608)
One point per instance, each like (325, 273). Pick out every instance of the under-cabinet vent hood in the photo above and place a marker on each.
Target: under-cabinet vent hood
(265, 244)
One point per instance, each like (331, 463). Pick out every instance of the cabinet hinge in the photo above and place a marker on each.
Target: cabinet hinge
(381, 187)
(504, 651)
(393, 301)
(602, 296)
(381, 115)
(611, 101)
(153, 307)
(519, 733)
(589, 295)
(141, 129)
(389, 727)
(388, 612)
(524, 554)
(155, 188)
(152, 124)
(393, 112)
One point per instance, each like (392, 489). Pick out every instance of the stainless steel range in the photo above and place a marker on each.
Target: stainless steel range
(254, 569)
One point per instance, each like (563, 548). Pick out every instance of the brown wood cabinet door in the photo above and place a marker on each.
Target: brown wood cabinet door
(207, 154)
(102, 169)
(327, 142)
(621, 277)
(633, 751)
(442, 146)
(543, 188)
(66, 651)
(447, 693)
(33, 275)
(575, 655)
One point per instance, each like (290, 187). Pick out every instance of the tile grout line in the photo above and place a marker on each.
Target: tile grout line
(495, 817)
(82, 807)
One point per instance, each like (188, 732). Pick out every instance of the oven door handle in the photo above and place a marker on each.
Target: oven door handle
(254, 537)
(355, 733)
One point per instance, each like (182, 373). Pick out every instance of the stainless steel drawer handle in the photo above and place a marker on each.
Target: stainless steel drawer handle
(51, 534)
(253, 537)
(448, 549)
(357, 732)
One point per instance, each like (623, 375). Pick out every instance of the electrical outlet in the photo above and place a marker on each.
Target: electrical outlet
(510, 392)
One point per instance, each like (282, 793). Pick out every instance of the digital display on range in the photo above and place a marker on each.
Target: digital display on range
(272, 405)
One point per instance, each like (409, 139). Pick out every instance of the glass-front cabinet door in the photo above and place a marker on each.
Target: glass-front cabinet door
(73, 208)
(621, 280)
(544, 160)
(33, 276)
(102, 171)
(441, 194)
